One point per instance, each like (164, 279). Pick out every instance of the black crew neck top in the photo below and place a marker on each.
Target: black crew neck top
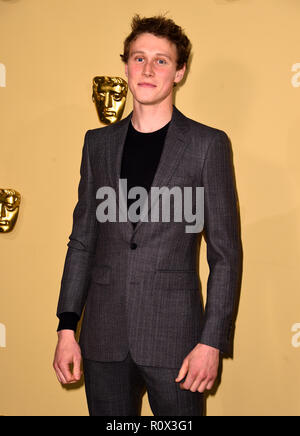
(140, 159)
(141, 156)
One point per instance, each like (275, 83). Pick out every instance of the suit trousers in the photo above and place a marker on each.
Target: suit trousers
(117, 388)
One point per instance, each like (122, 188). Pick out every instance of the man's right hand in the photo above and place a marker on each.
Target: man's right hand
(67, 352)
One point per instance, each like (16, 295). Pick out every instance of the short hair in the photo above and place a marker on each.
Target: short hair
(161, 27)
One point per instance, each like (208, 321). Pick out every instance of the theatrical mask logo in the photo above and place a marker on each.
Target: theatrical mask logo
(9, 209)
(109, 96)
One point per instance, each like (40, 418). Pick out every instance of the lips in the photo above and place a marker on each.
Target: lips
(147, 85)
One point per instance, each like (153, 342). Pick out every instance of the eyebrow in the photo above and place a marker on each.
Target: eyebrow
(158, 54)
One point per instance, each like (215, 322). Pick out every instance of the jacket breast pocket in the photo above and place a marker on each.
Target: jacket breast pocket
(176, 280)
(101, 274)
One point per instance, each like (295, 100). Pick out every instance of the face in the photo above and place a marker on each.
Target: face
(109, 95)
(151, 69)
(9, 209)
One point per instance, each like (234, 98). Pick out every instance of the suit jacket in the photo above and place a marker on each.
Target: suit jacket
(140, 287)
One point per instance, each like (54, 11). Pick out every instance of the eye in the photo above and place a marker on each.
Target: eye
(117, 96)
(10, 208)
(138, 59)
(162, 61)
(10, 203)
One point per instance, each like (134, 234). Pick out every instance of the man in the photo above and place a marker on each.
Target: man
(144, 325)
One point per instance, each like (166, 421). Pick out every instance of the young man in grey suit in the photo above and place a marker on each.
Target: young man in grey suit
(144, 325)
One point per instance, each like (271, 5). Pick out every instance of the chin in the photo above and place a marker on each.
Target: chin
(148, 100)
(145, 101)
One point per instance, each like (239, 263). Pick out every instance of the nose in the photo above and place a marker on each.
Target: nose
(108, 100)
(2, 210)
(147, 71)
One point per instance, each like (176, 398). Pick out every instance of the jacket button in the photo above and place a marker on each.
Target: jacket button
(133, 245)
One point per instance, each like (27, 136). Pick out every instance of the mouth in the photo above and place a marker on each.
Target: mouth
(3, 223)
(146, 85)
(109, 113)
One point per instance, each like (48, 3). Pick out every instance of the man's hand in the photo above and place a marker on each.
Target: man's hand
(67, 352)
(201, 366)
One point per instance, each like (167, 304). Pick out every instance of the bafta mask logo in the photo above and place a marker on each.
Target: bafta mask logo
(109, 96)
(9, 209)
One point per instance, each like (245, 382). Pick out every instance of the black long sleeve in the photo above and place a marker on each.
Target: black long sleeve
(68, 321)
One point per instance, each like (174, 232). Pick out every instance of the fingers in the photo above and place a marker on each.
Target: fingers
(200, 369)
(198, 381)
(60, 376)
(209, 385)
(191, 380)
(67, 360)
(63, 371)
(203, 385)
(76, 369)
(183, 370)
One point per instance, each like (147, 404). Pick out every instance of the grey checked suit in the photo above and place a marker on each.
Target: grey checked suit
(140, 287)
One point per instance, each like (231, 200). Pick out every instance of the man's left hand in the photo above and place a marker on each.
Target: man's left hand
(200, 368)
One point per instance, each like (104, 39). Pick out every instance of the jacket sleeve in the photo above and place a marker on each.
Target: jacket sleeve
(82, 242)
(224, 248)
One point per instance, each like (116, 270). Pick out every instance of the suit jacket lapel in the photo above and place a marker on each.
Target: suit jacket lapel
(175, 144)
(114, 152)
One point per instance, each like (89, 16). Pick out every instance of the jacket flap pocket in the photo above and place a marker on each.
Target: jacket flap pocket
(176, 279)
(101, 274)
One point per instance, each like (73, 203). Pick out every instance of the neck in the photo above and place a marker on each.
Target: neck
(149, 118)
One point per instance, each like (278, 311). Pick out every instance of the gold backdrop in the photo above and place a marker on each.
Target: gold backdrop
(244, 79)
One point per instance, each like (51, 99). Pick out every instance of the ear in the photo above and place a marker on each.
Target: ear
(179, 74)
